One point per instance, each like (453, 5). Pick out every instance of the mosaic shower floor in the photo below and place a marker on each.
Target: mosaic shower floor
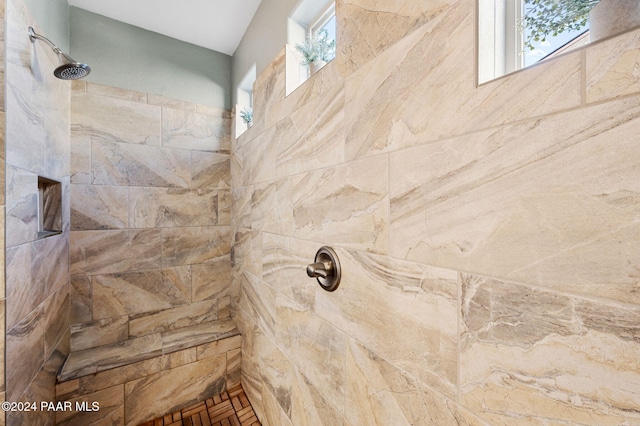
(231, 408)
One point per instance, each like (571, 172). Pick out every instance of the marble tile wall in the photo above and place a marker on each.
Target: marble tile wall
(134, 393)
(487, 234)
(35, 137)
(150, 215)
(2, 208)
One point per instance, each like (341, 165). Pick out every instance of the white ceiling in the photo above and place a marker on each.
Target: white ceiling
(215, 24)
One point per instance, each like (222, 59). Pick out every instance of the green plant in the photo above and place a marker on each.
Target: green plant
(318, 47)
(247, 115)
(543, 18)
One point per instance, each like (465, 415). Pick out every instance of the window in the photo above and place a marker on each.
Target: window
(315, 21)
(244, 103)
(506, 39)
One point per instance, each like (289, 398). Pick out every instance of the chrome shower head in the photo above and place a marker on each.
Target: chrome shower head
(68, 69)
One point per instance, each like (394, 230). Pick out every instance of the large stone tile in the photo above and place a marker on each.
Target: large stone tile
(173, 318)
(190, 130)
(113, 251)
(170, 390)
(56, 313)
(109, 119)
(272, 208)
(192, 245)
(345, 205)
(258, 300)
(210, 170)
(255, 161)
(80, 166)
(167, 207)
(284, 267)
(139, 292)
(312, 137)
(21, 208)
(527, 202)
(311, 406)
(81, 300)
(199, 334)
(24, 352)
(100, 332)
(23, 292)
(212, 280)
(368, 27)
(112, 92)
(612, 67)
(539, 356)
(380, 394)
(110, 409)
(379, 296)
(95, 360)
(96, 207)
(315, 347)
(139, 165)
(396, 101)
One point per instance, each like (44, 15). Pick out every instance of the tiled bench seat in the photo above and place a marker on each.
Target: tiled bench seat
(94, 360)
(138, 379)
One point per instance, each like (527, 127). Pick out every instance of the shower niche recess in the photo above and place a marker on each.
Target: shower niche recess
(49, 207)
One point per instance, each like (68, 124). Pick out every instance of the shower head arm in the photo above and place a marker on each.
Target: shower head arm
(34, 37)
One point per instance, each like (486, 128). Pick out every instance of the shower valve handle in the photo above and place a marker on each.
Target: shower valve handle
(326, 269)
(320, 269)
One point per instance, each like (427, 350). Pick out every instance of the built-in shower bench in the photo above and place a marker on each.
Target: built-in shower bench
(151, 374)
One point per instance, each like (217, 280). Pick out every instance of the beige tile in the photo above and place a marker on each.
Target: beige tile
(100, 332)
(368, 27)
(272, 207)
(210, 170)
(533, 354)
(24, 352)
(109, 409)
(111, 119)
(315, 347)
(99, 207)
(171, 103)
(95, 360)
(212, 280)
(196, 335)
(312, 137)
(190, 130)
(80, 295)
(612, 67)
(344, 205)
(80, 165)
(21, 220)
(192, 245)
(284, 267)
(56, 312)
(310, 406)
(395, 101)
(258, 300)
(143, 291)
(234, 368)
(172, 389)
(113, 251)
(167, 207)
(256, 160)
(173, 318)
(114, 92)
(139, 165)
(179, 358)
(380, 394)
(108, 378)
(219, 347)
(379, 296)
(527, 202)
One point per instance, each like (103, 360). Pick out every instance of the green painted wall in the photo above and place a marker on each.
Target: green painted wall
(129, 57)
(52, 18)
(265, 37)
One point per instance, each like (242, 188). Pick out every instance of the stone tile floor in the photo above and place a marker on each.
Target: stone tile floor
(231, 408)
